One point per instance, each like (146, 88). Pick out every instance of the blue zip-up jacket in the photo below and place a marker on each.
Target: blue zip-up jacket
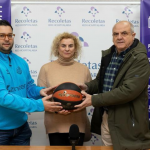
(17, 92)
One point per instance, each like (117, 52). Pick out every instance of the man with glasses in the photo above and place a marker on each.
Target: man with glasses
(18, 93)
(121, 101)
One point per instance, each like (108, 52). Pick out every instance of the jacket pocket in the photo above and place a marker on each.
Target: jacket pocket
(132, 118)
(133, 124)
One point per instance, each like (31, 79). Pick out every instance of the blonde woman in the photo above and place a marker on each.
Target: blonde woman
(66, 47)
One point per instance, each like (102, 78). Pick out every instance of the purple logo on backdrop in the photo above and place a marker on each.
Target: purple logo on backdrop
(27, 45)
(90, 113)
(25, 21)
(27, 60)
(59, 11)
(25, 11)
(91, 110)
(25, 36)
(85, 44)
(148, 87)
(32, 72)
(127, 12)
(93, 11)
(93, 139)
(149, 60)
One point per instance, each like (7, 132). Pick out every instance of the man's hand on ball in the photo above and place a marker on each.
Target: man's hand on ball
(87, 101)
(51, 106)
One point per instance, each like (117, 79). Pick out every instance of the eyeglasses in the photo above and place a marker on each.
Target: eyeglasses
(9, 36)
(123, 34)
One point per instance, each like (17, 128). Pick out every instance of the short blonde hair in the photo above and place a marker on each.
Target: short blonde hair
(65, 35)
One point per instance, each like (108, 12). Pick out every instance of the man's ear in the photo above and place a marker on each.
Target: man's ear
(133, 34)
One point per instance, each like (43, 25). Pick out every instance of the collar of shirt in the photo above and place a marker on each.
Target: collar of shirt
(122, 54)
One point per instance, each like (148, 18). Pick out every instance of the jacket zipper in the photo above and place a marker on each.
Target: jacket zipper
(9, 61)
(132, 118)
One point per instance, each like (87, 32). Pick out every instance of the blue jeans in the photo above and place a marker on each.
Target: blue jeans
(18, 136)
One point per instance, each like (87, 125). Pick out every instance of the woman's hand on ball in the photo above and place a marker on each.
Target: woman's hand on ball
(63, 112)
(51, 106)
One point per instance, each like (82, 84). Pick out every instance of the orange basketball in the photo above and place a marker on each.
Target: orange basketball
(68, 94)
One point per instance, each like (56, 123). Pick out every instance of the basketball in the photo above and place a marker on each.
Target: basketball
(68, 94)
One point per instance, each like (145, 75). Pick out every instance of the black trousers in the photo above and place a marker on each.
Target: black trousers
(62, 139)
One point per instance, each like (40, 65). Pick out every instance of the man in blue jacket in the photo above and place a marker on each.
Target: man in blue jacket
(18, 93)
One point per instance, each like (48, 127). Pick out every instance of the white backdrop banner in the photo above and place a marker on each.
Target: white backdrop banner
(35, 27)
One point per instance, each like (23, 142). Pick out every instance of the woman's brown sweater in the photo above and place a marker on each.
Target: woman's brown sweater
(55, 73)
